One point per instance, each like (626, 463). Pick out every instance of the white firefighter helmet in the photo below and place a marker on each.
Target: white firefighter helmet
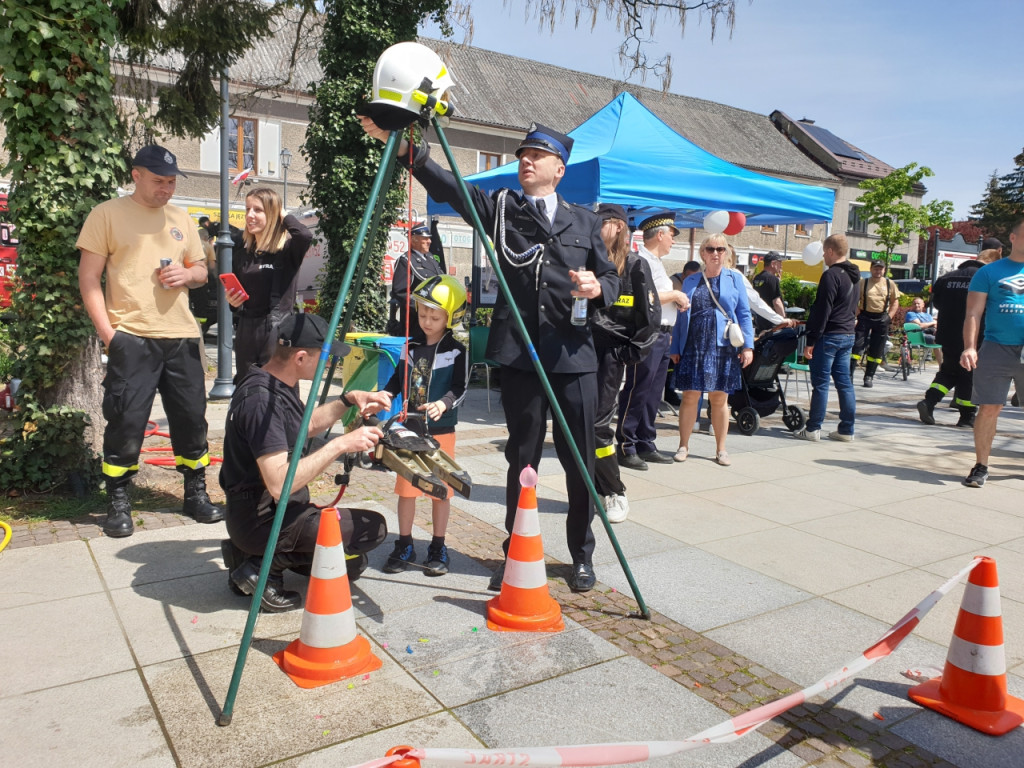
(409, 80)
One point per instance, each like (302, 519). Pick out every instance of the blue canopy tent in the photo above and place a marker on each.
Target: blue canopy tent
(625, 154)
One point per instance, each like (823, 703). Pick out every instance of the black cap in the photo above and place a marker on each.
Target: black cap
(305, 331)
(770, 257)
(547, 139)
(420, 229)
(662, 219)
(607, 211)
(158, 160)
(991, 242)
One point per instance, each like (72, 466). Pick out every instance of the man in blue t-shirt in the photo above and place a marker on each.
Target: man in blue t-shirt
(997, 290)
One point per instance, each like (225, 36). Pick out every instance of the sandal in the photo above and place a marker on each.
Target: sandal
(681, 453)
(722, 457)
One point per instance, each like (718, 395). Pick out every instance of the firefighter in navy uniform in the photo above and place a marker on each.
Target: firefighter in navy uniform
(879, 300)
(550, 252)
(624, 334)
(422, 265)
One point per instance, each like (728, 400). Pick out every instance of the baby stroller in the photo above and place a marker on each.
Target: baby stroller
(762, 394)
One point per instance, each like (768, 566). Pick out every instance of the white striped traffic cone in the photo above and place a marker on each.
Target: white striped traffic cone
(524, 604)
(328, 648)
(972, 689)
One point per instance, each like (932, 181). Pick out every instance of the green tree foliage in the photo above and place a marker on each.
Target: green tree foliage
(64, 145)
(1002, 204)
(894, 218)
(342, 159)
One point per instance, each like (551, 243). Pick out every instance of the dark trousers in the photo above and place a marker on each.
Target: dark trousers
(872, 333)
(606, 465)
(250, 516)
(640, 398)
(526, 411)
(138, 368)
(254, 338)
(952, 375)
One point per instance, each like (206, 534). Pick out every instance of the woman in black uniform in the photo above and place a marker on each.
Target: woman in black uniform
(266, 260)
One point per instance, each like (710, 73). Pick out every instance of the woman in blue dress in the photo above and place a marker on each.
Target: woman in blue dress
(705, 360)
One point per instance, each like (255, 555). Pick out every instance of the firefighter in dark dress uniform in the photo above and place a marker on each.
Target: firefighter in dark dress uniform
(416, 265)
(549, 252)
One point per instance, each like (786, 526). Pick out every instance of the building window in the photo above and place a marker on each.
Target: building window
(769, 229)
(802, 230)
(241, 144)
(487, 160)
(856, 223)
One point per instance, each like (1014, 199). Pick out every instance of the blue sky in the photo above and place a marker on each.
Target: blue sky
(935, 82)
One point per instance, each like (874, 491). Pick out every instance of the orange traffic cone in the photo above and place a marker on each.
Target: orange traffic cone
(972, 689)
(328, 648)
(524, 604)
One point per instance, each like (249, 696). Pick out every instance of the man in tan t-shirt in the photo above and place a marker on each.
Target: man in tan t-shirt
(879, 300)
(152, 255)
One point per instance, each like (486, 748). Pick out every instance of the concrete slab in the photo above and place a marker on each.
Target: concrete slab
(635, 540)
(961, 745)
(808, 562)
(775, 502)
(658, 710)
(694, 519)
(1009, 567)
(62, 641)
(106, 722)
(899, 540)
(845, 484)
(36, 574)
(808, 640)
(451, 652)
(701, 591)
(442, 731)
(992, 497)
(948, 512)
(151, 556)
(273, 718)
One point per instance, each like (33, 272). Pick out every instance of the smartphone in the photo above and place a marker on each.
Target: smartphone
(231, 282)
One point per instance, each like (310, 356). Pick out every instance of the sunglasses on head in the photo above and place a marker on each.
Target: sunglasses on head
(713, 249)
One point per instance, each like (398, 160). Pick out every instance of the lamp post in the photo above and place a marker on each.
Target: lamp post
(286, 161)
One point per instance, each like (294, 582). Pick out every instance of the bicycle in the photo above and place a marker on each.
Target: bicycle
(905, 362)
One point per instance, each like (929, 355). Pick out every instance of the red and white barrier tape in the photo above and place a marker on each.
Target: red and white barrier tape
(730, 730)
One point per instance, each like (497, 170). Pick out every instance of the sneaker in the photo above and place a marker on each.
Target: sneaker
(814, 436)
(400, 558)
(977, 477)
(840, 437)
(617, 507)
(437, 560)
(924, 411)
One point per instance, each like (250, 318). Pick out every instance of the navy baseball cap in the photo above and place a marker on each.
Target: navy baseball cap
(607, 211)
(420, 229)
(991, 242)
(305, 331)
(158, 160)
(547, 139)
(770, 257)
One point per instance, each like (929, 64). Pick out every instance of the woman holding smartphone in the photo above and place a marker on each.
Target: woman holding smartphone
(266, 260)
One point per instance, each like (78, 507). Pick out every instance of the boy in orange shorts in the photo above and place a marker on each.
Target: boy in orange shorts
(434, 373)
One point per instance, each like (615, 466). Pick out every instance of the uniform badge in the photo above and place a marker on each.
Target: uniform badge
(168, 158)
(177, 234)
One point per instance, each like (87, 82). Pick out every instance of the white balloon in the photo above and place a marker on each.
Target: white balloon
(814, 253)
(716, 222)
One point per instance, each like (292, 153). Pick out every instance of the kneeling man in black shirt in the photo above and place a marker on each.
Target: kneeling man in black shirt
(262, 426)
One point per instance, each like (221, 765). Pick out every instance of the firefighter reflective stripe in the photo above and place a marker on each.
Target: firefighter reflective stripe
(624, 300)
(871, 359)
(604, 450)
(942, 389)
(854, 356)
(202, 461)
(964, 403)
(112, 470)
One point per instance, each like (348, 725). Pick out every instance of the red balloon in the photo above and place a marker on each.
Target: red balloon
(737, 221)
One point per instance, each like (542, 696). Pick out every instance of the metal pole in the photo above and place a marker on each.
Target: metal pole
(386, 167)
(284, 195)
(556, 409)
(223, 387)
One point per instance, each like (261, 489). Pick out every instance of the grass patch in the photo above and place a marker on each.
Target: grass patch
(40, 507)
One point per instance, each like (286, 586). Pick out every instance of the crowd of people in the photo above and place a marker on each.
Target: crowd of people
(602, 322)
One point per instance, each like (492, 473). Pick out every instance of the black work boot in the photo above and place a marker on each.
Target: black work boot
(966, 420)
(118, 524)
(276, 598)
(197, 502)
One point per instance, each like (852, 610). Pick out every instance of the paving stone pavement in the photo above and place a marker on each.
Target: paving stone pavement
(822, 732)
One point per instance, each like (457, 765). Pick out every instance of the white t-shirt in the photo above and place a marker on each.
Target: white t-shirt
(662, 282)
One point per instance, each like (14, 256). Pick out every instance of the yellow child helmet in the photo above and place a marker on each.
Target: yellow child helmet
(443, 292)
